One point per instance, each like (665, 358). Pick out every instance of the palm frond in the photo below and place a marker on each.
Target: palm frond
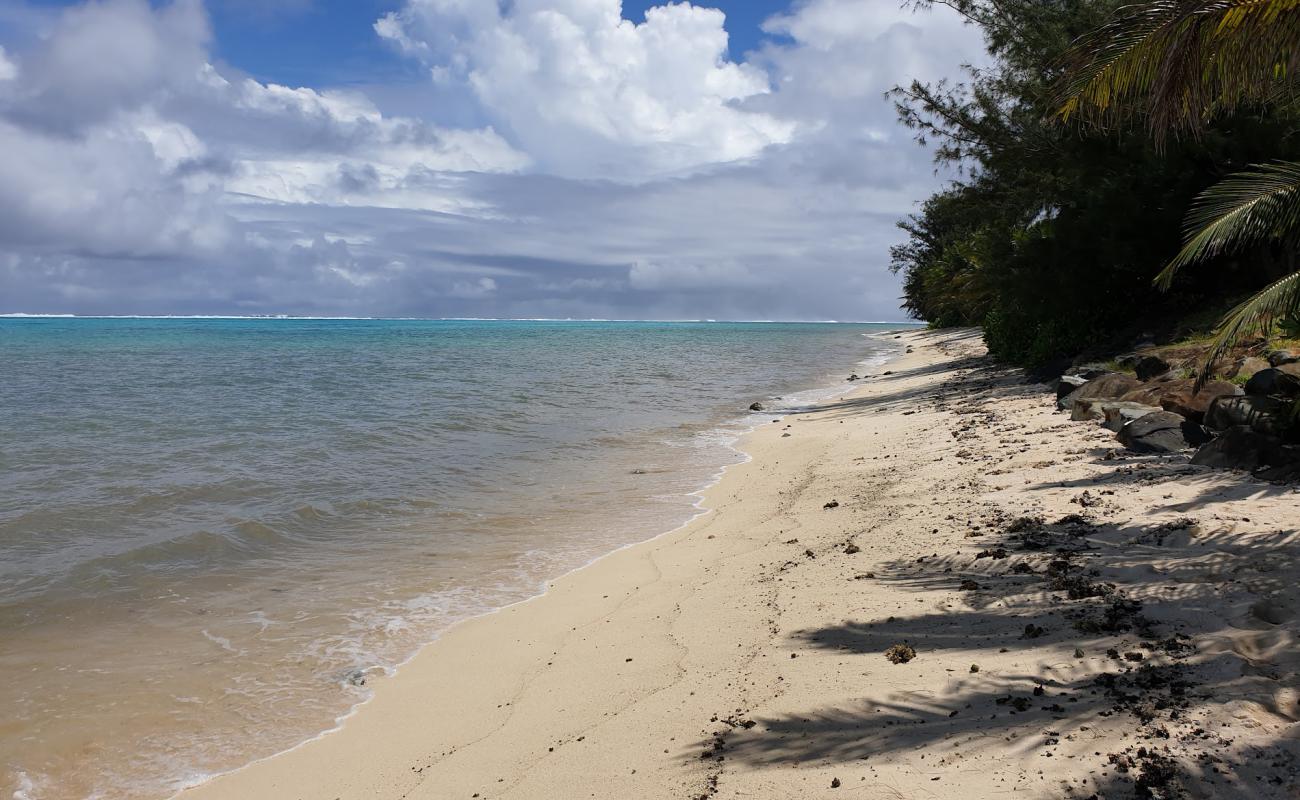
(1278, 299)
(1244, 209)
(1181, 61)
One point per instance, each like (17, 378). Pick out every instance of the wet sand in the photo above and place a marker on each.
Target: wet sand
(1083, 622)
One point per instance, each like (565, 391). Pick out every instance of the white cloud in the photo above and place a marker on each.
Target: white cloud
(590, 94)
(104, 57)
(613, 170)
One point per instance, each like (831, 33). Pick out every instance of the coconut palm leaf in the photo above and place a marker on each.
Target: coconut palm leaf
(1243, 210)
(1179, 62)
(1280, 298)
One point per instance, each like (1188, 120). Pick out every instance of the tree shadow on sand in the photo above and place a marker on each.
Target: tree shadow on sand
(1128, 674)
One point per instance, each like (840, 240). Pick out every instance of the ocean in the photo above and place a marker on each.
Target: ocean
(215, 532)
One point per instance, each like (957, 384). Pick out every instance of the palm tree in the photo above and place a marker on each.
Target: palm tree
(1177, 64)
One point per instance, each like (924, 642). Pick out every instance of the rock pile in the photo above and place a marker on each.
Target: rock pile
(1253, 428)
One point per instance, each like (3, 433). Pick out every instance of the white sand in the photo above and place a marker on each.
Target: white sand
(743, 655)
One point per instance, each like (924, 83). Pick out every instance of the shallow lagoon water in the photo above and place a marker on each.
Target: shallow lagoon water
(212, 531)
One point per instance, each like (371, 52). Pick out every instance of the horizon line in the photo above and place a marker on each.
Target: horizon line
(292, 317)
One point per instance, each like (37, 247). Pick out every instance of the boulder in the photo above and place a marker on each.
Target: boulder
(1279, 357)
(1067, 384)
(1258, 412)
(1182, 400)
(755, 406)
(1240, 448)
(1249, 366)
(1150, 367)
(1086, 409)
(1287, 467)
(1049, 372)
(1088, 371)
(1177, 396)
(1162, 432)
(1117, 413)
(1273, 381)
(1111, 386)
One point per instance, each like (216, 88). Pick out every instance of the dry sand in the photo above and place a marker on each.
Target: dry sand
(1146, 643)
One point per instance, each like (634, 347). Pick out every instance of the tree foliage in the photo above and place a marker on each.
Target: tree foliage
(1050, 234)
(1182, 63)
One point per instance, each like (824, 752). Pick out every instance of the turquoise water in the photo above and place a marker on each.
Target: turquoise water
(213, 530)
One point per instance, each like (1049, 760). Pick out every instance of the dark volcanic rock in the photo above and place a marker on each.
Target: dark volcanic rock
(1067, 385)
(1111, 386)
(1279, 357)
(1178, 396)
(1242, 448)
(1088, 371)
(1162, 432)
(1260, 413)
(1150, 367)
(755, 406)
(1118, 413)
(1273, 381)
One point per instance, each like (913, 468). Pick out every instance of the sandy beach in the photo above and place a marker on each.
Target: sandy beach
(1076, 622)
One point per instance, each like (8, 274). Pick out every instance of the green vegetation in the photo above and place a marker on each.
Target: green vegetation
(1052, 234)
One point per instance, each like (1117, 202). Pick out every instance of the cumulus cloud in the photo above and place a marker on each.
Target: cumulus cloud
(608, 168)
(121, 139)
(104, 58)
(590, 94)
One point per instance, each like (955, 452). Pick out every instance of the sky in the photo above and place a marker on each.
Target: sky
(462, 158)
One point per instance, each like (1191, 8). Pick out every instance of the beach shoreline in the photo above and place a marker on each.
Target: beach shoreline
(743, 654)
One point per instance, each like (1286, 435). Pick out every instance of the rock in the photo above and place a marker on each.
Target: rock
(1279, 357)
(1111, 386)
(1117, 413)
(1088, 371)
(1240, 448)
(1108, 410)
(1150, 367)
(1177, 396)
(1181, 399)
(1261, 414)
(1049, 372)
(1162, 432)
(1273, 381)
(1249, 366)
(1067, 384)
(1083, 410)
(755, 406)
(1287, 468)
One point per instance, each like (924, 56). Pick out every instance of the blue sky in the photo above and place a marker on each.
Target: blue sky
(461, 158)
(324, 42)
